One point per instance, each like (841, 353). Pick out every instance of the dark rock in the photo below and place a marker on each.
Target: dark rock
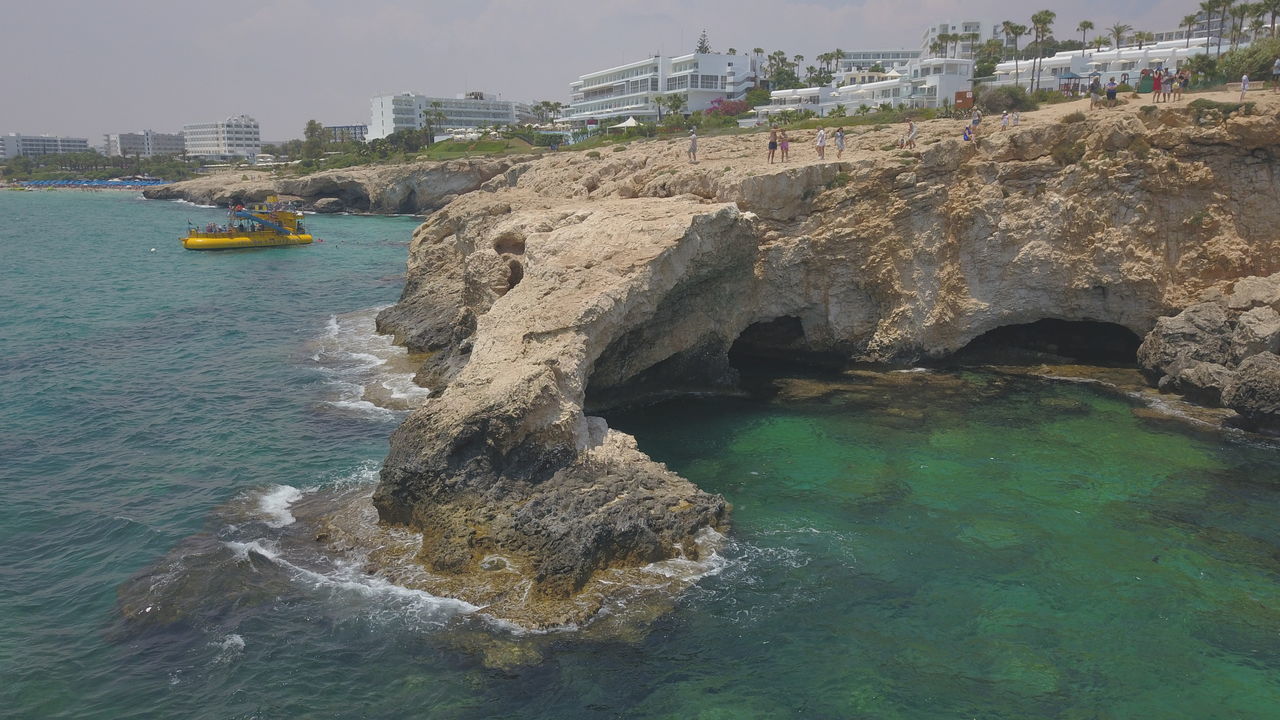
(328, 205)
(1256, 331)
(1198, 333)
(1255, 391)
(1200, 381)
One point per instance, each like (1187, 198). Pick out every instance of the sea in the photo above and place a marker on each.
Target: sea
(963, 543)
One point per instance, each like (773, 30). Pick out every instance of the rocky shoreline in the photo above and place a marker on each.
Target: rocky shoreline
(549, 291)
(407, 189)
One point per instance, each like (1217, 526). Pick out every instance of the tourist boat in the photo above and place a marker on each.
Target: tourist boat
(269, 224)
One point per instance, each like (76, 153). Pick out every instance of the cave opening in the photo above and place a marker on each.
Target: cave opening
(779, 345)
(1054, 341)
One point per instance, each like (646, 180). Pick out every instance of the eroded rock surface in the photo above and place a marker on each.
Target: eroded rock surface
(576, 283)
(386, 189)
(1221, 351)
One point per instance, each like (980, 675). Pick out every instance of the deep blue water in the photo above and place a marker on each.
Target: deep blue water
(924, 545)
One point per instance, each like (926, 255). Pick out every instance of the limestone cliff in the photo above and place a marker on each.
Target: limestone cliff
(578, 282)
(381, 189)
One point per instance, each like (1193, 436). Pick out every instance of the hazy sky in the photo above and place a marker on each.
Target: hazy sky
(88, 67)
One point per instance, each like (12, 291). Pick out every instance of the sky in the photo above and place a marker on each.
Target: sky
(88, 67)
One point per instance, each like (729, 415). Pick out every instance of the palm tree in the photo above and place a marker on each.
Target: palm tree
(1272, 8)
(1117, 32)
(972, 39)
(1225, 7)
(733, 51)
(1043, 24)
(1084, 27)
(1207, 9)
(1014, 31)
(1189, 22)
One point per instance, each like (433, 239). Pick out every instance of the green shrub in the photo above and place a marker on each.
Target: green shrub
(1009, 97)
(593, 154)
(1140, 147)
(1067, 153)
(1254, 60)
(619, 148)
(840, 180)
(1074, 117)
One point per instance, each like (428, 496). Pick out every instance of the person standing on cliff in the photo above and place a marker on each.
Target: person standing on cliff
(773, 143)
(839, 142)
(693, 146)
(821, 143)
(1275, 76)
(784, 144)
(1244, 85)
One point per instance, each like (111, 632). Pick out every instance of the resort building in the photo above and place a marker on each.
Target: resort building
(231, 138)
(632, 90)
(1071, 70)
(866, 59)
(390, 113)
(921, 83)
(144, 144)
(15, 145)
(968, 36)
(346, 133)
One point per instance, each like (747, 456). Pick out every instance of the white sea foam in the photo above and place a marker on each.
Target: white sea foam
(367, 373)
(349, 579)
(229, 649)
(275, 505)
(711, 563)
(188, 202)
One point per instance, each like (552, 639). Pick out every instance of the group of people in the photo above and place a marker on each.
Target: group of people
(779, 142)
(1167, 85)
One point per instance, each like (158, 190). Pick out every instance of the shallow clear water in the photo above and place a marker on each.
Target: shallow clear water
(905, 545)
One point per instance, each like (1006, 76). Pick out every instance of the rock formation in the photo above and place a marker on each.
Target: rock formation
(585, 280)
(383, 189)
(1222, 351)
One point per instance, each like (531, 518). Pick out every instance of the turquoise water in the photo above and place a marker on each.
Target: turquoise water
(905, 545)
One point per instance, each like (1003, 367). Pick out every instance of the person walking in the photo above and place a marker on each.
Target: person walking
(910, 141)
(693, 146)
(821, 143)
(839, 142)
(1244, 85)
(773, 143)
(1004, 120)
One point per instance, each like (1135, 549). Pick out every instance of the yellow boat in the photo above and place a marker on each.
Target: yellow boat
(269, 224)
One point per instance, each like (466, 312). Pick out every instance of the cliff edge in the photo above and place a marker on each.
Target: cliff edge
(577, 283)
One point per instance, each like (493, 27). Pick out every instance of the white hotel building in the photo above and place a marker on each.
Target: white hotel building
(919, 83)
(632, 90)
(15, 145)
(1125, 64)
(144, 144)
(231, 138)
(390, 113)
